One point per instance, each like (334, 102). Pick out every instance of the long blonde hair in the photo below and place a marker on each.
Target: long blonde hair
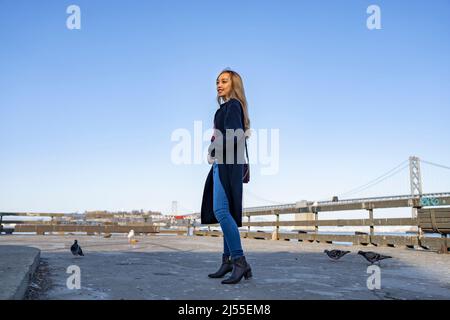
(237, 92)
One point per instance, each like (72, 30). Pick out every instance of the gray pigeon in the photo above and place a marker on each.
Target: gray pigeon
(373, 257)
(76, 249)
(336, 254)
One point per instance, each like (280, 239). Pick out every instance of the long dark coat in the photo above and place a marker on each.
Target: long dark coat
(229, 116)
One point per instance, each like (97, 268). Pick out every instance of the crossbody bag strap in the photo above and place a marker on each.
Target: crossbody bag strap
(246, 151)
(245, 141)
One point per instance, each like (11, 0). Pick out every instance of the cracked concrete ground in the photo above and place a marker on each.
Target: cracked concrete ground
(176, 267)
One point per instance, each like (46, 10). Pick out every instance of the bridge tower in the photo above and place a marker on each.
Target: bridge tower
(415, 179)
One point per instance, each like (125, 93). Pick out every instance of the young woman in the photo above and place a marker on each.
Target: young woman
(222, 195)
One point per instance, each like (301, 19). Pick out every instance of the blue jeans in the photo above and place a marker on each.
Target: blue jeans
(231, 238)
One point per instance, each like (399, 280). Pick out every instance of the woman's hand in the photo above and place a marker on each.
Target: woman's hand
(210, 159)
(211, 151)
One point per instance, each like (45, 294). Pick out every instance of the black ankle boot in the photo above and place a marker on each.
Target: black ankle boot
(240, 269)
(227, 266)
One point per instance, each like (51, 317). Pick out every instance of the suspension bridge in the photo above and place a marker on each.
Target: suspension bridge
(416, 199)
(342, 200)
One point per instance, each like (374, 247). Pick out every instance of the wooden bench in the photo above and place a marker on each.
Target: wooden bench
(434, 220)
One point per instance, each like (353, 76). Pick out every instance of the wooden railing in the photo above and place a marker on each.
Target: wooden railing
(421, 224)
(433, 216)
(89, 227)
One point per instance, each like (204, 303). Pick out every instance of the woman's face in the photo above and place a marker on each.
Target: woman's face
(224, 85)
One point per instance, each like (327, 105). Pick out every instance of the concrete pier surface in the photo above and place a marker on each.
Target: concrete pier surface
(176, 267)
(17, 266)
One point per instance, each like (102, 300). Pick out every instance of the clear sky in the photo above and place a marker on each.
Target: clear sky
(87, 115)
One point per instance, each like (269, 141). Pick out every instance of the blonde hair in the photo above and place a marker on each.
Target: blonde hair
(237, 92)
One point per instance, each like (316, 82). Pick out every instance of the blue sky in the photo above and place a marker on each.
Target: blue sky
(87, 115)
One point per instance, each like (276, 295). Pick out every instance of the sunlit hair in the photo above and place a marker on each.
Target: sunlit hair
(237, 92)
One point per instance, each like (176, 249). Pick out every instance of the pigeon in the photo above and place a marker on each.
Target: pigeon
(76, 249)
(373, 257)
(336, 254)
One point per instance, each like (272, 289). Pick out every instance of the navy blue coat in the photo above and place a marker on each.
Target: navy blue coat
(229, 116)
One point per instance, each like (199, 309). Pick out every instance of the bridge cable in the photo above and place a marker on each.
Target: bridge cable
(435, 164)
(254, 195)
(378, 180)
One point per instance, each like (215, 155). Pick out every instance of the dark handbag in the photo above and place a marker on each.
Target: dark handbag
(246, 177)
